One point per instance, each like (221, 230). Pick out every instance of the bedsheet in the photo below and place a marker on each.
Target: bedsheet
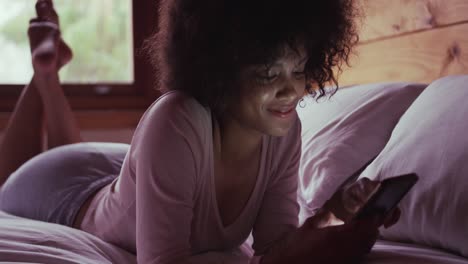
(386, 252)
(28, 241)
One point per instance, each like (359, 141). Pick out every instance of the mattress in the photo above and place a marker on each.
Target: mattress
(30, 241)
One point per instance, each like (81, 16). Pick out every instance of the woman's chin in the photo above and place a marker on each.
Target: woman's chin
(280, 128)
(279, 131)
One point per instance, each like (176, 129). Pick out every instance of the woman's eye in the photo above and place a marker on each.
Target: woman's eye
(266, 78)
(299, 74)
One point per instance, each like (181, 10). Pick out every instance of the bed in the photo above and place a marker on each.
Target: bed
(401, 126)
(395, 109)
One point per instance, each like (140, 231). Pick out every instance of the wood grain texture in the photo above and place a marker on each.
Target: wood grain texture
(92, 102)
(108, 119)
(418, 57)
(90, 120)
(386, 18)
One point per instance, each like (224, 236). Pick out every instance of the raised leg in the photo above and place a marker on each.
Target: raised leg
(24, 133)
(61, 125)
(42, 103)
(52, 53)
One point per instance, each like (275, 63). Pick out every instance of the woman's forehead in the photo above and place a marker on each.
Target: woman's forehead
(296, 55)
(284, 55)
(291, 57)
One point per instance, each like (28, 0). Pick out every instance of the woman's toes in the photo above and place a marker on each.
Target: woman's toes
(45, 11)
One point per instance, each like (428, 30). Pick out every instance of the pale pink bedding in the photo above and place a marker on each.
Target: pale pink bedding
(28, 241)
(385, 252)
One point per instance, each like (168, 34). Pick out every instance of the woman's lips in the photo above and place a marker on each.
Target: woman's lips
(283, 113)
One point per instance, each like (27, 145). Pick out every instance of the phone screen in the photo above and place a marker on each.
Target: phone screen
(389, 194)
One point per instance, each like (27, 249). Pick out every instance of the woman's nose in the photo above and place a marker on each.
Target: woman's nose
(288, 92)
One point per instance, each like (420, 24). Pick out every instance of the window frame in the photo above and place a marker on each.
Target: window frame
(85, 97)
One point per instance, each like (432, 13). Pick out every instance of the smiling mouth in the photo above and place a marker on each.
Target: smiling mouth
(282, 113)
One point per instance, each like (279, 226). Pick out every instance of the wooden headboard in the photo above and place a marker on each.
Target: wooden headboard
(410, 40)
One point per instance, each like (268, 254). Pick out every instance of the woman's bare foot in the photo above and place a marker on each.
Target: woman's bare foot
(49, 51)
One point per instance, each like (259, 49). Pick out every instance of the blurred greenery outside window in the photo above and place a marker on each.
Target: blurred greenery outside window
(98, 31)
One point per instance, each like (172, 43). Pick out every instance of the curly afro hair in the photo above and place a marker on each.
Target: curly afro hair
(201, 46)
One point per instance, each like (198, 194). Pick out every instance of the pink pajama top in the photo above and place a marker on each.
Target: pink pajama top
(163, 205)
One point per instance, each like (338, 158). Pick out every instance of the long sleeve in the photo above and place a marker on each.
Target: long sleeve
(162, 204)
(164, 149)
(279, 211)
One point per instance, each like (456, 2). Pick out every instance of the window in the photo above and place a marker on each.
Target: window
(105, 36)
(99, 32)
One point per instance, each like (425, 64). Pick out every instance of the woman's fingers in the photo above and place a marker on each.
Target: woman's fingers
(319, 220)
(356, 239)
(367, 188)
(356, 195)
(333, 244)
(345, 203)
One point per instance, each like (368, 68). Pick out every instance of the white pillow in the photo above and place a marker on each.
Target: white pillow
(431, 139)
(342, 134)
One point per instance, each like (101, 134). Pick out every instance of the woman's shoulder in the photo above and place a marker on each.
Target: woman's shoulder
(175, 106)
(173, 114)
(175, 102)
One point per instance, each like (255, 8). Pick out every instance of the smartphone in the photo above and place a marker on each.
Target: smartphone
(388, 195)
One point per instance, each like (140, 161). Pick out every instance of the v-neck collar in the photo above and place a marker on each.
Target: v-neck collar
(259, 178)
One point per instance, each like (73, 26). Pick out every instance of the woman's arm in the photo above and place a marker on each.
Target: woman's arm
(346, 202)
(341, 244)
(164, 157)
(278, 240)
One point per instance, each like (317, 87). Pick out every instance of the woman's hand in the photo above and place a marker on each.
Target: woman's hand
(333, 244)
(49, 51)
(345, 203)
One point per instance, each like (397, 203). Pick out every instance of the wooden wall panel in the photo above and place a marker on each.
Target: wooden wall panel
(386, 18)
(102, 135)
(97, 120)
(419, 57)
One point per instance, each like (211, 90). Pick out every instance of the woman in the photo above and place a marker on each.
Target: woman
(217, 155)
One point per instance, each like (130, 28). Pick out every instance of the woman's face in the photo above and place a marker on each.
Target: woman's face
(269, 94)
